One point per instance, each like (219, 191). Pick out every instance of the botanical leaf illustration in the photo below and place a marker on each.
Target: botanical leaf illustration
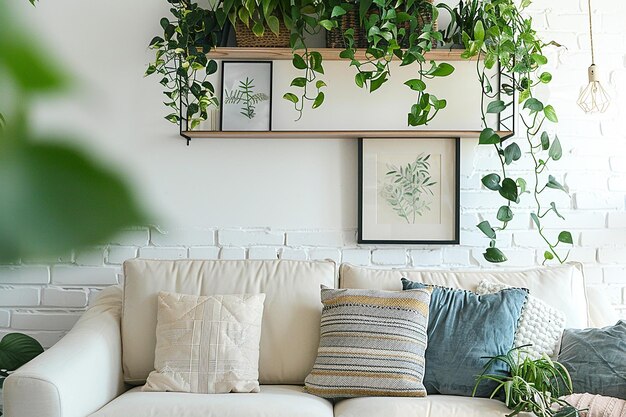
(406, 188)
(246, 96)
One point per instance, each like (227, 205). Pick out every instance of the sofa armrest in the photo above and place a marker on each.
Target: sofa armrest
(79, 374)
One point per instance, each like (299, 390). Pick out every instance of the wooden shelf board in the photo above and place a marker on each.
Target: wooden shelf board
(341, 134)
(329, 54)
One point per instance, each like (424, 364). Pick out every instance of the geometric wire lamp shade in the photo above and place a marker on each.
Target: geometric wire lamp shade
(594, 99)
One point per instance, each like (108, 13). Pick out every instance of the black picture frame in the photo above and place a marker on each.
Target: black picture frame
(270, 94)
(454, 240)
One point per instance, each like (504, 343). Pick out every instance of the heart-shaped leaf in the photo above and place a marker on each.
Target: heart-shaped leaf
(486, 228)
(505, 214)
(16, 349)
(509, 189)
(566, 237)
(494, 255)
(491, 181)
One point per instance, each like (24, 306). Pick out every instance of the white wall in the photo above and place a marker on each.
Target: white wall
(297, 198)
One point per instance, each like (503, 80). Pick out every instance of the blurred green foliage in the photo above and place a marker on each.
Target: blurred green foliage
(53, 198)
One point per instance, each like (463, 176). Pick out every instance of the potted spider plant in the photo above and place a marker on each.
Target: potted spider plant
(532, 385)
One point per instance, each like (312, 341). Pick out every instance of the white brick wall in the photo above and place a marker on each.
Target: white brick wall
(45, 297)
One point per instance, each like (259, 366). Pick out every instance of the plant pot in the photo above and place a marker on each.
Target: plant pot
(247, 39)
(334, 37)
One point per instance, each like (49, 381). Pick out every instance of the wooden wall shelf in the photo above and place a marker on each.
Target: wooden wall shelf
(329, 54)
(340, 134)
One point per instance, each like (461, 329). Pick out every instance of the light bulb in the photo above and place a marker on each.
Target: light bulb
(594, 99)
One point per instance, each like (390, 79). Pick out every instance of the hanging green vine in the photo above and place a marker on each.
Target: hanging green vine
(181, 61)
(508, 39)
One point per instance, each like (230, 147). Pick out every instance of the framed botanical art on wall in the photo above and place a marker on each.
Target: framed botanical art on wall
(246, 96)
(409, 191)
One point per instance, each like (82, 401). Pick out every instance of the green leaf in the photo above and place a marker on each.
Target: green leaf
(488, 137)
(509, 189)
(479, 31)
(416, 84)
(338, 11)
(298, 82)
(521, 184)
(55, 199)
(494, 255)
(496, 106)
(545, 141)
(491, 181)
(442, 70)
(550, 114)
(16, 349)
(486, 228)
(554, 209)
(318, 100)
(505, 214)
(258, 29)
(545, 77)
(556, 151)
(553, 183)
(377, 82)
(512, 153)
(27, 65)
(535, 219)
(319, 84)
(539, 59)
(291, 97)
(359, 79)
(326, 24)
(274, 24)
(533, 105)
(566, 237)
(298, 62)
(548, 256)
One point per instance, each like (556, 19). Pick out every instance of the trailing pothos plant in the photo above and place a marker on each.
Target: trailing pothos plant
(395, 30)
(504, 37)
(181, 60)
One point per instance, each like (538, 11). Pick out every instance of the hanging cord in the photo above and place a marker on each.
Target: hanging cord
(593, 57)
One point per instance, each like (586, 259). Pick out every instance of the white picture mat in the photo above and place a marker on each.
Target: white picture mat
(232, 74)
(437, 226)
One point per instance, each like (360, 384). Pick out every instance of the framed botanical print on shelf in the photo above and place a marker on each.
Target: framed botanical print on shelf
(246, 103)
(409, 191)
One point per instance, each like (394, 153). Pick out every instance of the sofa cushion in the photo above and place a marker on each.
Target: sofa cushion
(372, 343)
(273, 400)
(595, 359)
(540, 326)
(207, 344)
(562, 287)
(431, 406)
(464, 330)
(291, 316)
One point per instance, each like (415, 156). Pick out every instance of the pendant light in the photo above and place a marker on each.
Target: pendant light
(593, 98)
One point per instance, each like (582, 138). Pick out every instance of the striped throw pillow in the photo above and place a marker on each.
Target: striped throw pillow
(372, 343)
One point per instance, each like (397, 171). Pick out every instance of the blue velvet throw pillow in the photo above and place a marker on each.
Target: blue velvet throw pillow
(464, 329)
(596, 359)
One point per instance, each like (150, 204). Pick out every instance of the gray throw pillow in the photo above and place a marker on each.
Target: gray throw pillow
(596, 359)
(464, 329)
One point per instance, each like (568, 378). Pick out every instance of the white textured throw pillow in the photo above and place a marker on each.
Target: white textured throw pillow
(540, 325)
(207, 344)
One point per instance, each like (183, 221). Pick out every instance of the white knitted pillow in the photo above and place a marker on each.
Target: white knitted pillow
(540, 325)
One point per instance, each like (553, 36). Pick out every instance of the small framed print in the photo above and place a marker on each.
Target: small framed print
(246, 96)
(409, 191)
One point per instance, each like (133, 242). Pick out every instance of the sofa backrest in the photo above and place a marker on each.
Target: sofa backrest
(562, 287)
(291, 317)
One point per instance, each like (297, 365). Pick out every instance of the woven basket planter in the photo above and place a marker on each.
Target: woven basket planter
(247, 39)
(334, 38)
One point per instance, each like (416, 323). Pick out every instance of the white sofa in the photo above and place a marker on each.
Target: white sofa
(98, 368)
